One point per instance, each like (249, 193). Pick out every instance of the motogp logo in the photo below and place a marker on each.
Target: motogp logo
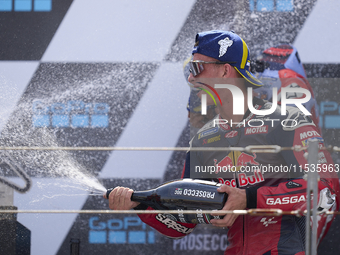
(267, 222)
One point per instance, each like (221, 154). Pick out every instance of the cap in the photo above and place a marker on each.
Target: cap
(226, 46)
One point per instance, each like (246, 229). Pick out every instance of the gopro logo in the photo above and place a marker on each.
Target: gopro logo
(26, 5)
(129, 230)
(74, 114)
(329, 114)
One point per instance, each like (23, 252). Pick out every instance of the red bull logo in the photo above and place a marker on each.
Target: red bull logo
(230, 183)
(241, 159)
(244, 180)
(246, 159)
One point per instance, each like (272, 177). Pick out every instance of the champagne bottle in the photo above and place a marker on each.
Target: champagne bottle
(184, 194)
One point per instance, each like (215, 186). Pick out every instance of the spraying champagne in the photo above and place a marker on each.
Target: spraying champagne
(184, 194)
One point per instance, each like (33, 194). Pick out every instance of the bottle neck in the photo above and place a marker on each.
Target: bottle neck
(145, 196)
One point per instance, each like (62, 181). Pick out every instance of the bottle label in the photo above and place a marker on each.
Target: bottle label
(173, 224)
(194, 193)
(170, 216)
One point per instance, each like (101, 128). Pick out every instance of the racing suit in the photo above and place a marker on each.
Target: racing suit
(286, 78)
(276, 182)
(281, 67)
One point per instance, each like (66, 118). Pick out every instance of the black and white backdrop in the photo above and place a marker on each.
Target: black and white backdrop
(110, 73)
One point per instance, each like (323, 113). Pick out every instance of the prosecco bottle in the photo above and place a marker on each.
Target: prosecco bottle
(184, 194)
